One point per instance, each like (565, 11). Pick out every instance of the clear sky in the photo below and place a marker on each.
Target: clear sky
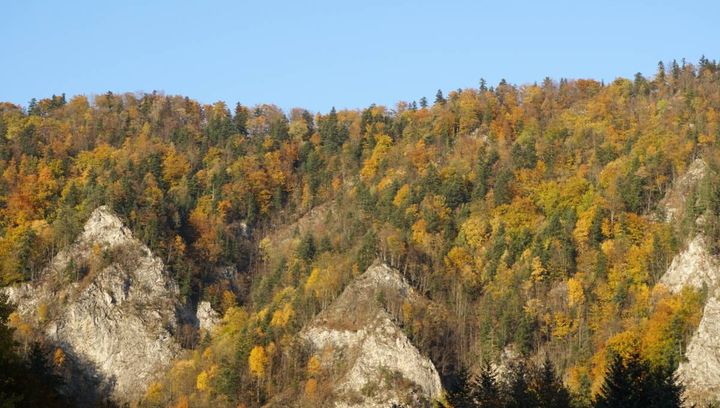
(348, 54)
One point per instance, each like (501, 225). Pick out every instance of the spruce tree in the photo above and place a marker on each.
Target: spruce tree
(519, 393)
(618, 390)
(486, 391)
(459, 389)
(439, 98)
(550, 391)
(307, 250)
(630, 383)
(665, 390)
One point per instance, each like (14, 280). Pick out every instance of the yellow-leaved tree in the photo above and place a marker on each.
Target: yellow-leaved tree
(258, 362)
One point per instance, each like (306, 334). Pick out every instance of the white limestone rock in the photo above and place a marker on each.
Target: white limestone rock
(207, 317)
(694, 267)
(368, 350)
(701, 372)
(117, 318)
(674, 201)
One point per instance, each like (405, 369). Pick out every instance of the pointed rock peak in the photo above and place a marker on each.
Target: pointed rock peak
(378, 292)
(104, 226)
(357, 339)
(697, 169)
(380, 275)
(114, 312)
(103, 216)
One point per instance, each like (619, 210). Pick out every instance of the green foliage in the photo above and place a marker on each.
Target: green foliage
(459, 389)
(491, 201)
(25, 382)
(630, 382)
(524, 386)
(502, 188)
(486, 391)
(307, 249)
(519, 393)
(549, 389)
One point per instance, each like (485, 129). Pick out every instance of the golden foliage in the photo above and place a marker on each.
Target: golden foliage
(371, 165)
(154, 393)
(474, 230)
(401, 195)
(58, 357)
(538, 272)
(281, 317)
(182, 402)
(313, 366)
(258, 362)
(576, 295)
(310, 387)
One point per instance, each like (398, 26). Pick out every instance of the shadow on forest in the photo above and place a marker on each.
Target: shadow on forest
(83, 382)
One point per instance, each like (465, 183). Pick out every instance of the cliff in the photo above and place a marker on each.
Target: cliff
(373, 361)
(696, 267)
(675, 200)
(107, 301)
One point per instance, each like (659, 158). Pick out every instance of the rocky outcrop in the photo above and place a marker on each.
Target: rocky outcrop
(207, 317)
(700, 373)
(108, 302)
(696, 267)
(673, 204)
(373, 361)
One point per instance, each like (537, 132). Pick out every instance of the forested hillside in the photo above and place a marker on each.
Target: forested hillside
(530, 217)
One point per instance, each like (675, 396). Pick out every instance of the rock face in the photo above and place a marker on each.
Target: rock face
(674, 201)
(696, 267)
(206, 316)
(375, 363)
(701, 372)
(108, 302)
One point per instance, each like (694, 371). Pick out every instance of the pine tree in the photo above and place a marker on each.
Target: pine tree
(41, 383)
(665, 390)
(307, 250)
(486, 391)
(660, 76)
(519, 393)
(240, 118)
(617, 390)
(439, 98)
(483, 85)
(9, 393)
(459, 392)
(33, 107)
(550, 391)
(502, 190)
(633, 383)
(332, 133)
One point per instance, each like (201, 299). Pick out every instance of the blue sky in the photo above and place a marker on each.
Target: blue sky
(347, 54)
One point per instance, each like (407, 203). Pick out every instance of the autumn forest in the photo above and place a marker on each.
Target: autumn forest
(531, 217)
